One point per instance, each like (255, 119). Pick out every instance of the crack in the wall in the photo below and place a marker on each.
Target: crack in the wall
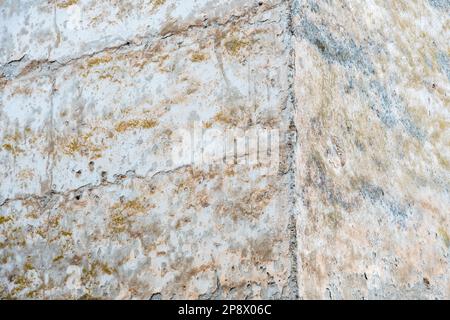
(119, 178)
(25, 67)
(53, 66)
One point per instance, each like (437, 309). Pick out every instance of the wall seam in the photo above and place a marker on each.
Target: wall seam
(291, 156)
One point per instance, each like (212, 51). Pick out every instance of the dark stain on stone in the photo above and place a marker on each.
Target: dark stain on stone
(382, 104)
(344, 52)
(317, 177)
(156, 296)
(426, 282)
(262, 249)
(440, 4)
(411, 128)
(376, 194)
(444, 63)
(396, 209)
(371, 192)
(313, 6)
(390, 110)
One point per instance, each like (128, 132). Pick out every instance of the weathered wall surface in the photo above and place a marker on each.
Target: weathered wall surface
(94, 93)
(372, 88)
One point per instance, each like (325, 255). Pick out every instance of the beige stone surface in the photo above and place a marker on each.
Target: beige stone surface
(372, 89)
(95, 96)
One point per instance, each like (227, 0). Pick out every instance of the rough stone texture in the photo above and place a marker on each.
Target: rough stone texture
(93, 93)
(372, 90)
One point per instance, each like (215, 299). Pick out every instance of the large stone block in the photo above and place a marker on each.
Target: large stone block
(111, 214)
(373, 163)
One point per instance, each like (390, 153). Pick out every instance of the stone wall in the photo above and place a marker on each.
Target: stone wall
(95, 94)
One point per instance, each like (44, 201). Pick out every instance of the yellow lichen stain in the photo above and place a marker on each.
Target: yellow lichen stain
(158, 3)
(4, 219)
(191, 271)
(191, 89)
(66, 233)
(234, 46)
(162, 61)
(16, 137)
(443, 161)
(123, 212)
(334, 219)
(203, 199)
(82, 145)
(28, 266)
(136, 124)
(229, 171)
(93, 270)
(73, 147)
(250, 205)
(132, 206)
(445, 236)
(25, 174)
(105, 76)
(33, 294)
(207, 124)
(58, 258)
(32, 215)
(20, 283)
(88, 274)
(98, 60)
(54, 222)
(135, 205)
(234, 116)
(42, 233)
(180, 223)
(12, 149)
(22, 91)
(222, 117)
(126, 110)
(11, 141)
(118, 223)
(66, 4)
(198, 57)
(179, 98)
(106, 269)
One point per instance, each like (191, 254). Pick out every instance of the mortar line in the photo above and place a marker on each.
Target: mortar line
(292, 151)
